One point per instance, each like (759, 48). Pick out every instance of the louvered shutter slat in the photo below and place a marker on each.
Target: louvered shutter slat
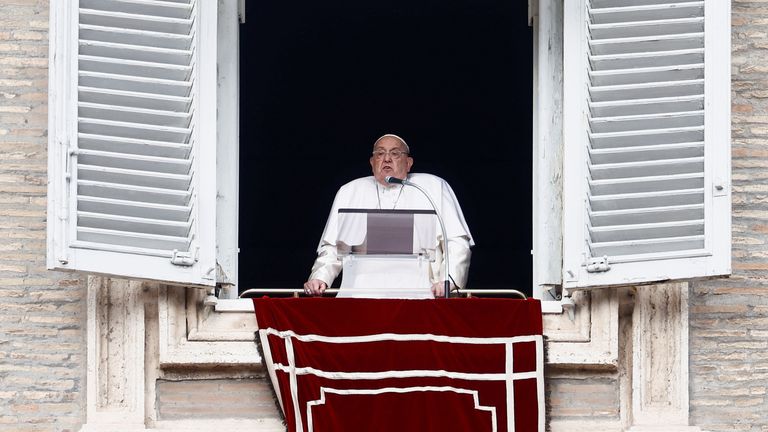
(647, 122)
(648, 215)
(106, 96)
(135, 162)
(133, 131)
(646, 75)
(135, 84)
(648, 106)
(134, 177)
(646, 153)
(634, 250)
(640, 231)
(646, 90)
(650, 168)
(642, 59)
(135, 68)
(134, 146)
(644, 137)
(617, 3)
(135, 37)
(135, 53)
(95, 189)
(649, 12)
(150, 23)
(151, 243)
(646, 184)
(134, 224)
(141, 7)
(647, 199)
(134, 115)
(647, 28)
(118, 207)
(647, 44)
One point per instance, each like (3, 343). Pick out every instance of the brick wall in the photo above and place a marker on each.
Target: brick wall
(582, 395)
(42, 314)
(215, 398)
(729, 318)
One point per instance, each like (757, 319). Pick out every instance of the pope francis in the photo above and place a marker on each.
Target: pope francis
(391, 157)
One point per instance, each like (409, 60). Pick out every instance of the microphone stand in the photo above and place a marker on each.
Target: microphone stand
(447, 282)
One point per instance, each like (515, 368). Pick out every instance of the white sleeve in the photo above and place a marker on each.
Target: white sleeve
(459, 256)
(455, 224)
(459, 240)
(326, 266)
(460, 253)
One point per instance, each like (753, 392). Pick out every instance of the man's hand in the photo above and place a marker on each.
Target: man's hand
(315, 287)
(438, 289)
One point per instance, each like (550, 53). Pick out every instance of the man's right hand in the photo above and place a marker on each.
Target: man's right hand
(315, 287)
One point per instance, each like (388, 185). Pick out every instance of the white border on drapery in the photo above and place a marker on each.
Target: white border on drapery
(508, 376)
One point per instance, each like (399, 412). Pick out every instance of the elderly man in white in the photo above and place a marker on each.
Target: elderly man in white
(391, 157)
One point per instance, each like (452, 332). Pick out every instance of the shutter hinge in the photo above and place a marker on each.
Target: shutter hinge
(64, 202)
(597, 265)
(183, 258)
(71, 153)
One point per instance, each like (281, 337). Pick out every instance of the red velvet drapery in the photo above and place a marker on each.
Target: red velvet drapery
(405, 365)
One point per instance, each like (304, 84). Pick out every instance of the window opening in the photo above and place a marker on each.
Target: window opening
(320, 81)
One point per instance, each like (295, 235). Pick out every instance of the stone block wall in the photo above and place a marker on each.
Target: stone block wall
(42, 314)
(729, 318)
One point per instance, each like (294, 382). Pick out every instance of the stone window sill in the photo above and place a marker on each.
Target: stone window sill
(195, 335)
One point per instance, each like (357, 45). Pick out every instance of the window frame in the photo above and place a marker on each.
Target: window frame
(547, 21)
(231, 13)
(192, 334)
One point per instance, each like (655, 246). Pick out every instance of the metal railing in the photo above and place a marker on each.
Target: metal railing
(298, 292)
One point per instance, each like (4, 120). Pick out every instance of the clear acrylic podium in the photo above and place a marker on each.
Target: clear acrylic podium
(386, 253)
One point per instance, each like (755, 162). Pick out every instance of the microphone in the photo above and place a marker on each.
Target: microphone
(395, 180)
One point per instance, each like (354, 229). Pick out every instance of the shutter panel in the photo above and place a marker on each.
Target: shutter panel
(647, 142)
(134, 139)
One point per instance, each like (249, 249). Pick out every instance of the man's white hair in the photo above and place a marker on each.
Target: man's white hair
(407, 149)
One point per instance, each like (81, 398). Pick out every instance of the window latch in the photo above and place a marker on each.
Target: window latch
(598, 265)
(185, 259)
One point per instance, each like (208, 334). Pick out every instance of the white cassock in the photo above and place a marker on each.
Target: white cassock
(367, 193)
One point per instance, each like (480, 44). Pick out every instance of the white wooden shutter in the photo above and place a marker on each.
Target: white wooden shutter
(646, 141)
(133, 139)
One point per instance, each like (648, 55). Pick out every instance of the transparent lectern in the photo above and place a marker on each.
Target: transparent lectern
(386, 253)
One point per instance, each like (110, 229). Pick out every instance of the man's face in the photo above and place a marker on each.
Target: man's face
(388, 165)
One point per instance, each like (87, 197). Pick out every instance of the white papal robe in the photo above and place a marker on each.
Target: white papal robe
(367, 193)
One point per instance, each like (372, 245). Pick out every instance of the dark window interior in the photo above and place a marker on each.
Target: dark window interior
(320, 81)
